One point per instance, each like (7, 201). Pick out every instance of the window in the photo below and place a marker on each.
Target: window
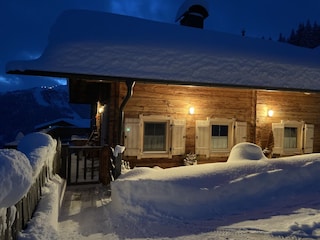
(292, 137)
(155, 135)
(216, 137)
(219, 137)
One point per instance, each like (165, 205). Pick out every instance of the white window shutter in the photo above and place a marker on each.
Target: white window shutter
(240, 132)
(278, 135)
(178, 146)
(203, 137)
(308, 138)
(131, 136)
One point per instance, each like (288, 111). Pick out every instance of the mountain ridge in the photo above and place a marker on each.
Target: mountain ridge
(22, 110)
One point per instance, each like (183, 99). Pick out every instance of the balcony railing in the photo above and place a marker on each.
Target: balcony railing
(22, 211)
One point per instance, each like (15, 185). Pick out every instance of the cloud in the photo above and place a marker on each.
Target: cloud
(164, 10)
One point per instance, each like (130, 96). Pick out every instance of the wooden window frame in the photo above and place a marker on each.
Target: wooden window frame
(222, 122)
(237, 132)
(279, 137)
(134, 136)
(154, 119)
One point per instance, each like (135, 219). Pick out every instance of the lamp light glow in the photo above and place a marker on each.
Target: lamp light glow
(101, 109)
(191, 110)
(270, 113)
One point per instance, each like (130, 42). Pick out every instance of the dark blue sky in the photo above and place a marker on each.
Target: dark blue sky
(25, 24)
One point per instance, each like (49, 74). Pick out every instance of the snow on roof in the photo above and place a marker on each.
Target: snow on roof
(74, 122)
(105, 46)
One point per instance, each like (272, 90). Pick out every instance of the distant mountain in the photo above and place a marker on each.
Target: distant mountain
(21, 111)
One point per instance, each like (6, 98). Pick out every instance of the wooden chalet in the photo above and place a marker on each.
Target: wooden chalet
(165, 90)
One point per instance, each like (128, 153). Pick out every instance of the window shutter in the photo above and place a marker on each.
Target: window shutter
(178, 137)
(131, 136)
(202, 137)
(240, 132)
(308, 138)
(278, 135)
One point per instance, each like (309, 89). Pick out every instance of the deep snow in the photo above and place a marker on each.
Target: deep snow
(18, 170)
(248, 197)
(108, 45)
(16, 177)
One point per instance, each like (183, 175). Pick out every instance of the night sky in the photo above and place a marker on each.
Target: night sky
(25, 24)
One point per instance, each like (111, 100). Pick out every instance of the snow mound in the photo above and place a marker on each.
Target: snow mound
(246, 151)
(208, 191)
(16, 176)
(39, 148)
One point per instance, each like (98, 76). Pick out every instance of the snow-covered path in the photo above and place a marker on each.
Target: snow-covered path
(86, 214)
(82, 212)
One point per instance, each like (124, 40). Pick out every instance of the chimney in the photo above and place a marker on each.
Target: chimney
(192, 13)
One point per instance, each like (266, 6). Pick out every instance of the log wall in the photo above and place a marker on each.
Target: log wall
(173, 100)
(295, 106)
(246, 105)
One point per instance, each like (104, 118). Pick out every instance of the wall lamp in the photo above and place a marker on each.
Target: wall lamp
(191, 110)
(270, 113)
(101, 109)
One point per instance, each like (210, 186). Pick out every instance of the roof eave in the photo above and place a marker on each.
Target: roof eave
(101, 78)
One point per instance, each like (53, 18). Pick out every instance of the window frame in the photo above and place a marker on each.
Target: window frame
(222, 122)
(155, 119)
(237, 133)
(299, 127)
(279, 137)
(166, 124)
(175, 138)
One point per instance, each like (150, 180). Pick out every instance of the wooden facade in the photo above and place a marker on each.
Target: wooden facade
(288, 106)
(172, 102)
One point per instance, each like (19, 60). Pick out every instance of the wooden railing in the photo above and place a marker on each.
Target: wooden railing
(22, 211)
(76, 164)
(85, 164)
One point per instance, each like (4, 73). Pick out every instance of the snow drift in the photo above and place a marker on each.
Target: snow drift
(16, 176)
(39, 148)
(211, 190)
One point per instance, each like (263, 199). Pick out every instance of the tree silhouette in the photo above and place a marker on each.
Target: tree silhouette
(306, 35)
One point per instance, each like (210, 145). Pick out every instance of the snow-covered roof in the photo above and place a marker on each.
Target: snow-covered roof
(107, 46)
(75, 122)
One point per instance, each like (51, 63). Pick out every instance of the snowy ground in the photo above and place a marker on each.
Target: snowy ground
(253, 198)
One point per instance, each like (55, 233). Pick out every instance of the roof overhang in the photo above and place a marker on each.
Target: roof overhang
(109, 47)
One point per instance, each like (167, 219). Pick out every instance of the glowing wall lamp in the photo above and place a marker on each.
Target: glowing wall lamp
(191, 110)
(270, 113)
(101, 109)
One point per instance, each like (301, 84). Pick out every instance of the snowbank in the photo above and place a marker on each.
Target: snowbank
(40, 149)
(16, 177)
(44, 224)
(210, 190)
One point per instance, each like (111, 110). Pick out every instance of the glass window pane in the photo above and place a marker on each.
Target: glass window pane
(154, 138)
(219, 137)
(290, 137)
(219, 130)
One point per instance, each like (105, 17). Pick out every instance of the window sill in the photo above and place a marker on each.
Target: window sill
(155, 155)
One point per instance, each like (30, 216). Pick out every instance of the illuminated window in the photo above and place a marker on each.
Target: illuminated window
(219, 137)
(155, 135)
(290, 137)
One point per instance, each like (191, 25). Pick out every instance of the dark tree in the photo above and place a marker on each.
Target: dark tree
(306, 35)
